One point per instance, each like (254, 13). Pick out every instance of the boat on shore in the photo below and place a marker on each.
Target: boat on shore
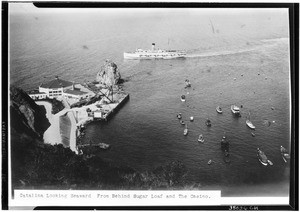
(155, 53)
(262, 157)
(284, 153)
(219, 110)
(235, 110)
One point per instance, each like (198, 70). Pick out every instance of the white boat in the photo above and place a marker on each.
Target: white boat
(179, 116)
(284, 153)
(235, 109)
(249, 123)
(154, 53)
(185, 132)
(201, 139)
(182, 98)
(262, 157)
(191, 118)
(219, 109)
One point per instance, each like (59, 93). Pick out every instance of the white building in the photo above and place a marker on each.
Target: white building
(75, 94)
(55, 88)
(36, 95)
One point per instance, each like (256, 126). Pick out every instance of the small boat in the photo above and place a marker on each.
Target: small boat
(219, 109)
(253, 134)
(226, 157)
(208, 123)
(182, 98)
(187, 83)
(182, 122)
(235, 109)
(179, 116)
(185, 132)
(103, 146)
(284, 153)
(209, 162)
(201, 139)
(191, 118)
(262, 157)
(249, 123)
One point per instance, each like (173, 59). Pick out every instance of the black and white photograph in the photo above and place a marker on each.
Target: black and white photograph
(132, 105)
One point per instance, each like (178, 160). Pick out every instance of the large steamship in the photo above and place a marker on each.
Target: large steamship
(154, 53)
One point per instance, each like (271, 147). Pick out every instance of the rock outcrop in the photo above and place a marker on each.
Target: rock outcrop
(26, 116)
(108, 74)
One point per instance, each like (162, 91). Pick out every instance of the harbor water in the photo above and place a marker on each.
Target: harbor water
(235, 56)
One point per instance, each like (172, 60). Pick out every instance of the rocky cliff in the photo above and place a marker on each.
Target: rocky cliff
(108, 74)
(26, 116)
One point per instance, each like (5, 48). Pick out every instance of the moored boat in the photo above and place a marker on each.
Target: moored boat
(208, 122)
(235, 109)
(219, 109)
(201, 139)
(284, 153)
(185, 132)
(154, 53)
(262, 157)
(182, 122)
(249, 123)
(182, 98)
(179, 116)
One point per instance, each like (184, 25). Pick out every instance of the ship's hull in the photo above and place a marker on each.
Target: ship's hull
(165, 55)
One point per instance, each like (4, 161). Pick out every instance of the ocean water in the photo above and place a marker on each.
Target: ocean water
(234, 57)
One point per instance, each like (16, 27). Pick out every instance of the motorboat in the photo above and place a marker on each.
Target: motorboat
(219, 110)
(284, 153)
(103, 146)
(253, 134)
(182, 98)
(262, 157)
(235, 109)
(185, 132)
(201, 139)
(191, 118)
(209, 162)
(208, 123)
(249, 123)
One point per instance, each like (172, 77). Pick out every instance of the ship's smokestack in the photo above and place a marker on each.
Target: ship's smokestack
(153, 46)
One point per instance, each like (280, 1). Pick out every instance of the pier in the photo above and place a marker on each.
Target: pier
(101, 110)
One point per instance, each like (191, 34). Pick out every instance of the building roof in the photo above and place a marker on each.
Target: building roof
(75, 92)
(35, 92)
(56, 83)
